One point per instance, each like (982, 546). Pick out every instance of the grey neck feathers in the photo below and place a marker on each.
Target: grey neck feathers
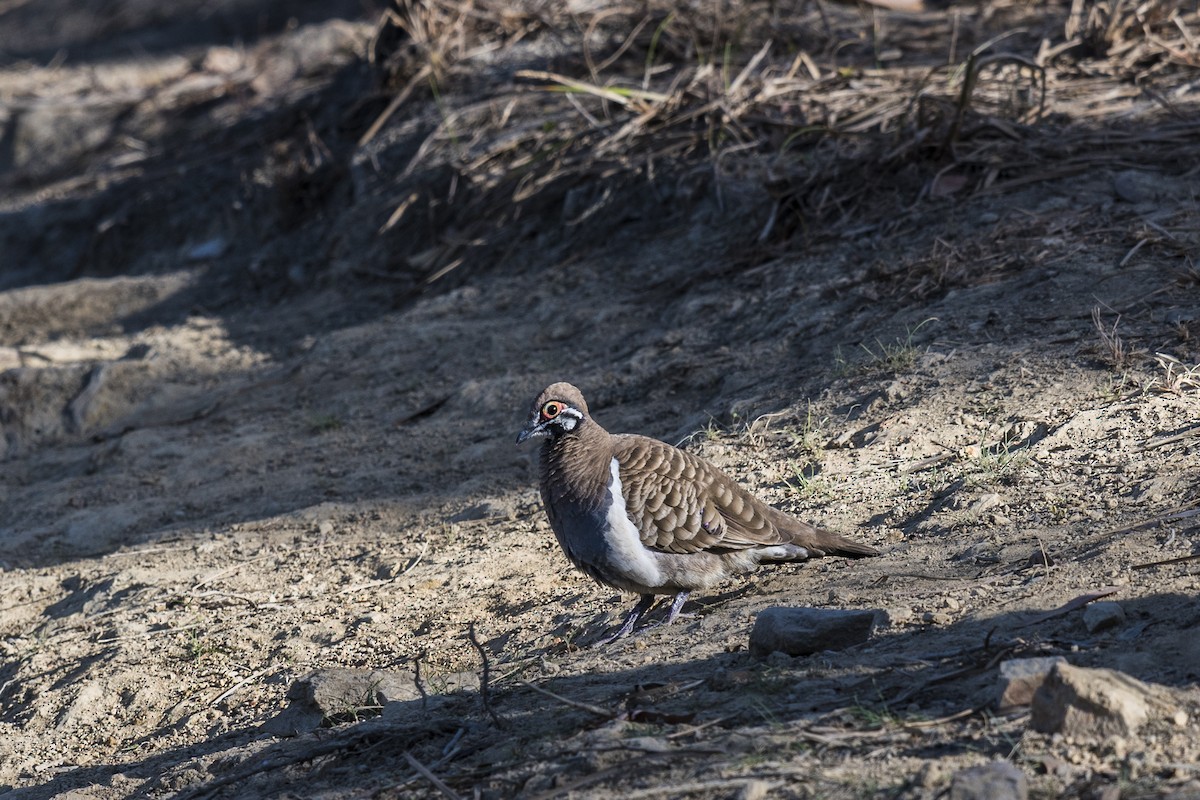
(575, 466)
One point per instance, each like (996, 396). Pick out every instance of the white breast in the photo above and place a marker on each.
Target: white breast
(626, 554)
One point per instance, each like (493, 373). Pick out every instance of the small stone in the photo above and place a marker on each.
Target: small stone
(647, 744)
(390, 570)
(897, 616)
(986, 503)
(998, 780)
(1021, 677)
(932, 774)
(754, 789)
(951, 604)
(1135, 186)
(1102, 616)
(804, 631)
(331, 696)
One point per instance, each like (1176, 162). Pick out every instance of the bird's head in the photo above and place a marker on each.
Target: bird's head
(558, 411)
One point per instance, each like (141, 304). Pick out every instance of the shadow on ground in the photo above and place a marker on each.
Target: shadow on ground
(885, 683)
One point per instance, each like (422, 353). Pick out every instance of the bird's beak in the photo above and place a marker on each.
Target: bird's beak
(533, 430)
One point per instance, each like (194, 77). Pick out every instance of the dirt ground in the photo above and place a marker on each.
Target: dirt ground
(258, 419)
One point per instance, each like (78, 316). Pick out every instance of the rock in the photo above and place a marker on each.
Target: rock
(1135, 186)
(998, 780)
(803, 631)
(986, 503)
(1102, 616)
(932, 774)
(755, 789)
(1021, 677)
(327, 697)
(898, 615)
(88, 705)
(1096, 703)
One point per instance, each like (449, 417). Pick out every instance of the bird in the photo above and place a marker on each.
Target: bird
(642, 516)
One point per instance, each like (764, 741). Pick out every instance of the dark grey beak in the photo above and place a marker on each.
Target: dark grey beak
(531, 431)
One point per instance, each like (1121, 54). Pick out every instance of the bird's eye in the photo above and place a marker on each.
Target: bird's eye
(551, 410)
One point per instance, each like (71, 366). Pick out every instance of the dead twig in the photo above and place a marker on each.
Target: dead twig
(251, 677)
(485, 680)
(588, 707)
(1073, 605)
(429, 776)
(1163, 563)
(1183, 512)
(1179, 437)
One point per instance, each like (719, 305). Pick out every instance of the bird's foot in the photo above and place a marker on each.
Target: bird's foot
(676, 604)
(640, 610)
(631, 620)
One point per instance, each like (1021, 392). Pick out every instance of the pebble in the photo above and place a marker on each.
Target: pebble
(998, 780)
(1102, 616)
(755, 789)
(1021, 677)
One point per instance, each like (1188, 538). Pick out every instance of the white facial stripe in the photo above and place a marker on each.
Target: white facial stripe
(568, 418)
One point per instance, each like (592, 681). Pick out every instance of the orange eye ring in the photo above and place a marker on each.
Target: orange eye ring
(551, 410)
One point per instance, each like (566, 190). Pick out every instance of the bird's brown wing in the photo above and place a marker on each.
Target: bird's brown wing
(682, 504)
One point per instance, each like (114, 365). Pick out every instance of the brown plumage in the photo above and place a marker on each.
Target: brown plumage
(638, 514)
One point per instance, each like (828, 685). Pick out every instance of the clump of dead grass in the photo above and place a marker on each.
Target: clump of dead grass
(1171, 376)
(1174, 376)
(1112, 347)
(841, 115)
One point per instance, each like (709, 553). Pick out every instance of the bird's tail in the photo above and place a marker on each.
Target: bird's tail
(820, 542)
(833, 545)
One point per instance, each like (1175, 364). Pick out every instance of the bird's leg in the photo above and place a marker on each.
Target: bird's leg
(676, 604)
(631, 619)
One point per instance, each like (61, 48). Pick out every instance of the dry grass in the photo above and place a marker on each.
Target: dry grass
(1175, 377)
(832, 108)
(1112, 345)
